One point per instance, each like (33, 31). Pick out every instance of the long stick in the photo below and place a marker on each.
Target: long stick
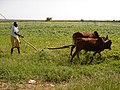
(62, 47)
(3, 16)
(30, 44)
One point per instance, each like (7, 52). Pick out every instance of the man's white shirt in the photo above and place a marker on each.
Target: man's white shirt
(14, 29)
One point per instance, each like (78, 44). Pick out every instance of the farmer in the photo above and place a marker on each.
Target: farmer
(15, 37)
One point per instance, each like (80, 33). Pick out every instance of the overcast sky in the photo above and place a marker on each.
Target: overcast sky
(61, 9)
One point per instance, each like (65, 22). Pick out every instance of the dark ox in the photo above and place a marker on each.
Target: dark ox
(91, 44)
(83, 35)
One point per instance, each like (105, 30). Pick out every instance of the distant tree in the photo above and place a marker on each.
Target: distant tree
(113, 20)
(82, 20)
(48, 19)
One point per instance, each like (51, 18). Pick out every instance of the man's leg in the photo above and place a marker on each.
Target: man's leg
(12, 50)
(18, 44)
(12, 42)
(18, 50)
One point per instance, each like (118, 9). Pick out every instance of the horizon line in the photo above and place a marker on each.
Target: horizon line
(81, 20)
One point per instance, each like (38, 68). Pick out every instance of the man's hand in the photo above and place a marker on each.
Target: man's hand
(21, 36)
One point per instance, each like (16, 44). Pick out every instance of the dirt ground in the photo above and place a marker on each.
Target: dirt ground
(4, 85)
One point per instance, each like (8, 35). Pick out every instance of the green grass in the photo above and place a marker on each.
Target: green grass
(53, 65)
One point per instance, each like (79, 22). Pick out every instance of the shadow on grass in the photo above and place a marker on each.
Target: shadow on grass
(114, 57)
(63, 59)
(85, 59)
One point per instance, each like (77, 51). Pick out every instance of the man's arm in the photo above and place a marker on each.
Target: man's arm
(19, 35)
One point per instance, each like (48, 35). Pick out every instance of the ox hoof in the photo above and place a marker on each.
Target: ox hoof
(91, 59)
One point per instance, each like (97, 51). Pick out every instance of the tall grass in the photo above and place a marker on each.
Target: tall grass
(53, 65)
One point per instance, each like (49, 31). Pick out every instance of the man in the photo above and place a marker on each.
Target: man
(15, 37)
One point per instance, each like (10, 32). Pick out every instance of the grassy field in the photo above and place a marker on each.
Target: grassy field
(51, 68)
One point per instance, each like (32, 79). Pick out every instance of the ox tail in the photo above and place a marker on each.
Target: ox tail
(62, 47)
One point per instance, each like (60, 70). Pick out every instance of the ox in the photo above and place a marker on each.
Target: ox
(83, 35)
(91, 44)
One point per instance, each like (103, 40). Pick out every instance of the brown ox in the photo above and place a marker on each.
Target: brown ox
(91, 44)
(83, 35)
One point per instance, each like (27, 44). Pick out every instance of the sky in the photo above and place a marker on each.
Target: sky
(60, 9)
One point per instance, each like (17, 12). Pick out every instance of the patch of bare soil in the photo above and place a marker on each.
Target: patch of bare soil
(4, 85)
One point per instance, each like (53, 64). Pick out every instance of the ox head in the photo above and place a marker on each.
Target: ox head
(107, 43)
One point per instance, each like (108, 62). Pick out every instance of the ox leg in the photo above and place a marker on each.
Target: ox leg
(86, 52)
(72, 50)
(91, 59)
(96, 53)
(78, 55)
(73, 56)
(99, 54)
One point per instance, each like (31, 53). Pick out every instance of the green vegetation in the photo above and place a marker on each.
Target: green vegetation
(53, 65)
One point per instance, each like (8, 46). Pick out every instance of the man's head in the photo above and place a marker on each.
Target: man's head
(15, 24)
